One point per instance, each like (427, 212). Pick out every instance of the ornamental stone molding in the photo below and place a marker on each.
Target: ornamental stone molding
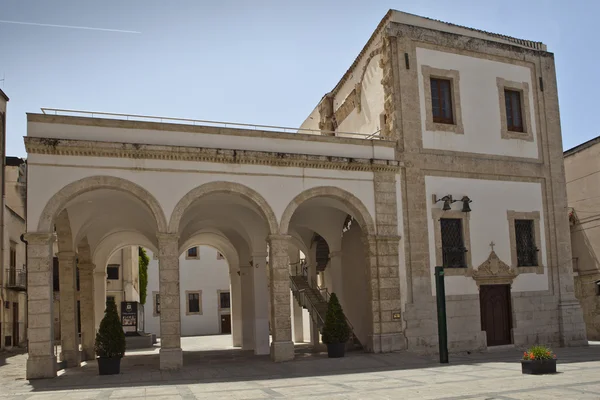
(84, 148)
(223, 187)
(60, 199)
(358, 210)
(494, 271)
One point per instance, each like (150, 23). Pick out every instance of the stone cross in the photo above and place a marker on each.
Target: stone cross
(492, 244)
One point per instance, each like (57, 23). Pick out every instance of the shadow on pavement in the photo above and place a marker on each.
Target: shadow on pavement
(237, 365)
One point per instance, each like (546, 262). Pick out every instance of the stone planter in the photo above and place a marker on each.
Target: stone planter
(336, 350)
(109, 366)
(538, 367)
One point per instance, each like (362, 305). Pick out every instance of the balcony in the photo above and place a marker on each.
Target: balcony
(15, 279)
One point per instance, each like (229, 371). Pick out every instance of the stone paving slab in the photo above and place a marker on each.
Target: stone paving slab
(232, 374)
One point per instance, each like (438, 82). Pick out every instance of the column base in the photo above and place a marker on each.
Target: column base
(572, 331)
(41, 367)
(282, 351)
(171, 359)
(387, 342)
(71, 358)
(88, 354)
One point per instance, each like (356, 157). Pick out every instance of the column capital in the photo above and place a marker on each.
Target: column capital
(272, 238)
(39, 238)
(66, 255)
(167, 237)
(333, 254)
(86, 266)
(383, 238)
(258, 254)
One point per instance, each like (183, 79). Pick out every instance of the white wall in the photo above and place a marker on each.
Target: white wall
(488, 222)
(206, 274)
(480, 105)
(278, 186)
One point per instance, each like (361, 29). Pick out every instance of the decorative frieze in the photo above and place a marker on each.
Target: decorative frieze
(84, 148)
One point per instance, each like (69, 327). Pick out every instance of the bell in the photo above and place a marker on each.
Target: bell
(446, 205)
(466, 202)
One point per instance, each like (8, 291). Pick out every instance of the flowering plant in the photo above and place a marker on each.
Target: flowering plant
(539, 353)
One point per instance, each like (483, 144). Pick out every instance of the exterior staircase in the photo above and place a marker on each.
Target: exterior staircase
(315, 300)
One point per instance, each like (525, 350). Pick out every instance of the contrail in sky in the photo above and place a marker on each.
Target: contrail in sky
(68, 26)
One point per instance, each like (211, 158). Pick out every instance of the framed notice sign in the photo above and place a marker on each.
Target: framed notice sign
(129, 316)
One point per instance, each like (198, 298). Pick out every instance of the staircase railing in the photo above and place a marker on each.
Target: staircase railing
(306, 301)
(324, 292)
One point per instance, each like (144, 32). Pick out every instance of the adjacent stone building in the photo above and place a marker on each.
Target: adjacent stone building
(582, 169)
(440, 146)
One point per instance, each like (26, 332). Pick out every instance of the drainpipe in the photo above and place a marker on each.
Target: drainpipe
(26, 308)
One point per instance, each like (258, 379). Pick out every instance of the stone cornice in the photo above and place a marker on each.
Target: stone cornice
(85, 148)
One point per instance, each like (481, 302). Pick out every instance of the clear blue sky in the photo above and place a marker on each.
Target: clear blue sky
(263, 62)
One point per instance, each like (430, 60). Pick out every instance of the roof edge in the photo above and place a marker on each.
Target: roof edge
(4, 95)
(581, 147)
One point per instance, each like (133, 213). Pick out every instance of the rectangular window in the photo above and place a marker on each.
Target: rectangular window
(224, 300)
(55, 274)
(13, 255)
(112, 272)
(193, 302)
(526, 248)
(192, 252)
(453, 248)
(514, 120)
(441, 100)
(157, 303)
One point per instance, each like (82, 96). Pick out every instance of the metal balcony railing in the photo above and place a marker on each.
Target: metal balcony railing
(15, 278)
(188, 121)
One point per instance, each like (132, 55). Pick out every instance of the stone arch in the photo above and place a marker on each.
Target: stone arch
(64, 237)
(357, 208)
(114, 241)
(60, 199)
(221, 243)
(222, 187)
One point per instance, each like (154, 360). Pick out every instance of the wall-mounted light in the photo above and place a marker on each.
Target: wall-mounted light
(447, 199)
(466, 200)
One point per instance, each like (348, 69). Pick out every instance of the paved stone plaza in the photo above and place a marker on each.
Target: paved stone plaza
(232, 374)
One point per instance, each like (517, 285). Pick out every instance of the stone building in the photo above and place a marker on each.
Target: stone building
(13, 316)
(582, 166)
(440, 145)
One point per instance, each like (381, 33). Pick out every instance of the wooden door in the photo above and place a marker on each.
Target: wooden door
(496, 315)
(15, 334)
(225, 323)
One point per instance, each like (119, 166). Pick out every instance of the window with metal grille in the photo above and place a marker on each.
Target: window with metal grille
(193, 302)
(453, 248)
(225, 300)
(441, 100)
(192, 252)
(526, 248)
(157, 304)
(112, 272)
(514, 120)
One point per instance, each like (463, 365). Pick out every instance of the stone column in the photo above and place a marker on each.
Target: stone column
(236, 307)
(86, 300)
(335, 266)
(171, 356)
(297, 322)
(99, 297)
(314, 329)
(41, 362)
(261, 304)
(247, 307)
(282, 347)
(68, 309)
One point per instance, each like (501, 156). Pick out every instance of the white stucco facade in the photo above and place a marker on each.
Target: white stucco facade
(209, 276)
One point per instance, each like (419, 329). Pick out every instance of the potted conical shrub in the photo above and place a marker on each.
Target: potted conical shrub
(110, 342)
(336, 331)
